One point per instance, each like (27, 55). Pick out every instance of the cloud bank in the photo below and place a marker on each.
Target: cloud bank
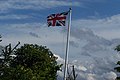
(106, 27)
(34, 4)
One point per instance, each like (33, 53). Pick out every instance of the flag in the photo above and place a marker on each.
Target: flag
(57, 19)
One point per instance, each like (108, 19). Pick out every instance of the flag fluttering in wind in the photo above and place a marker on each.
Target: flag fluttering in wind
(58, 19)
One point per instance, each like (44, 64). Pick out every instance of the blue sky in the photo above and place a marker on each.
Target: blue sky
(28, 11)
(37, 10)
(27, 18)
(81, 8)
(95, 31)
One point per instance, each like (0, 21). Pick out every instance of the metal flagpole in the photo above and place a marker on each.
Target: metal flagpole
(67, 45)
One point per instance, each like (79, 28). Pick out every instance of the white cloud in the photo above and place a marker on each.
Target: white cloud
(3, 17)
(24, 26)
(109, 76)
(90, 76)
(107, 27)
(98, 72)
(59, 60)
(81, 68)
(34, 4)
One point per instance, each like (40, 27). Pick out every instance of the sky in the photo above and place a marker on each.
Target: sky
(102, 16)
(95, 31)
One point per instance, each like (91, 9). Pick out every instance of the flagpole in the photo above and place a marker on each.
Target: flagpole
(67, 45)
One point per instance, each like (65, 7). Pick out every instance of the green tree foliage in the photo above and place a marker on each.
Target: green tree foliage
(32, 62)
(118, 63)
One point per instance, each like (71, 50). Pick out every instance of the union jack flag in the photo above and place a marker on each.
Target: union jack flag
(57, 19)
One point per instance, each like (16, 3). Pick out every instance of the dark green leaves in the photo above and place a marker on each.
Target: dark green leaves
(32, 62)
(118, 63)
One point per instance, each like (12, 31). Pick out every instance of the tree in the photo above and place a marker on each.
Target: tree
(32, 62)
(72, 75)
(7, 54)
(118, 63)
